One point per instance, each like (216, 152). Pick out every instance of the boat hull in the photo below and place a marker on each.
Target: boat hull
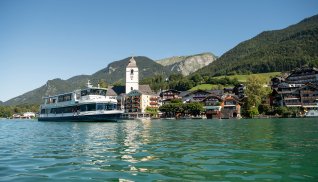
(85, 118)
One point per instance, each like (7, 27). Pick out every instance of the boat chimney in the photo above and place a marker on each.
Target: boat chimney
(89, 85)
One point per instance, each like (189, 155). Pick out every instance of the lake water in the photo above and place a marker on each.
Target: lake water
(160, 150)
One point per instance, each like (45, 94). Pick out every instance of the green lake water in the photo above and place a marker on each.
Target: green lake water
(160, 150)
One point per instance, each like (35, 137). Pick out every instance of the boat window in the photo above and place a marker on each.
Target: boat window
(88, 107)
(64, 98)
(100, 107)
(83, 92)
(97, 92)
(110, 106)
(60, 110)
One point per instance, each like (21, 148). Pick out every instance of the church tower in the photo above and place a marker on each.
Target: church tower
(132, 76)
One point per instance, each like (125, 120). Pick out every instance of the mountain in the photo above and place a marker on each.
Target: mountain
(114, 72)
(270, 51)
(187, 64)
(52, 87)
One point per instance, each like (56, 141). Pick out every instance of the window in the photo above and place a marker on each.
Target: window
(131, 71)
(100, 107)
(88, 107)
(131, 88)
(83, 92)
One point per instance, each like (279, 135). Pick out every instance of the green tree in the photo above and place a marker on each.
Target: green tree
(175, 77)
(197, 79)
(119, 83)
(102, 83)
(171, 109)
(253, 111)
(256, 91)
(152, 111)
(193, 108)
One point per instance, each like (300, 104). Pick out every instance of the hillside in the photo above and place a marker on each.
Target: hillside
(243, 78)
(270, 51)
(187, 64)
(240, 78)
(51, 87)
(114, 72)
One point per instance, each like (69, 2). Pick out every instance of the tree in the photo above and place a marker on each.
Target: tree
(183, 85)
(119, 83)
(253, 111)
(197, 79)
(256, 91)
(171, 109)
(152, 111)
(193, 108)
(175, 77)
(102, 83)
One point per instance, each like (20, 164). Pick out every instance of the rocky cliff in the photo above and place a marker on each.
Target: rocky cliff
(187, 64)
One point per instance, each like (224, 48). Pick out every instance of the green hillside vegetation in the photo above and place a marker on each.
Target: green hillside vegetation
(243, 78)
(210, 87)
(8, 111)
(240, 78)
(270, 51)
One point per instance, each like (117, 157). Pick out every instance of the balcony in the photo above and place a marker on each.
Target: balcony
(153, 103)
(307, 91)
(291, 97)
(153, 98)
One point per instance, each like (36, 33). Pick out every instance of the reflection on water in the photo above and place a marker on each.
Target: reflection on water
(206, 150)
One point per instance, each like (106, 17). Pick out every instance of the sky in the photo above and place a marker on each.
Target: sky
(42, 40)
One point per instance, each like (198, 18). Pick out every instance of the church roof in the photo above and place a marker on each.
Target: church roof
(132, 63)
(145, 89)
(115, 90)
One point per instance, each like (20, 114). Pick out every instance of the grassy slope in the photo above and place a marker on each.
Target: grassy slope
(241, 78)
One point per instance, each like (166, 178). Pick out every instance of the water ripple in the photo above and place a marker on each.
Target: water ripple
(227, 150)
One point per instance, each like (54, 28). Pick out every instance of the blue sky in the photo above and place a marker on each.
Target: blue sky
(45, 39)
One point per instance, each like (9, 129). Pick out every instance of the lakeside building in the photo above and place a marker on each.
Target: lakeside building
(139, 100)
(167, 95)
(132, 97)
(298, 89)
(199, 95)
(217, 103)
(226, 106)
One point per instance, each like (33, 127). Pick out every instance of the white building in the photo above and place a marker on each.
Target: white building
(132, 76)
(133, 97)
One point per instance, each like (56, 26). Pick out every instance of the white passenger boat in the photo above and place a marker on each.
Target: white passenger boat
(89, 104)
(312, 113)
